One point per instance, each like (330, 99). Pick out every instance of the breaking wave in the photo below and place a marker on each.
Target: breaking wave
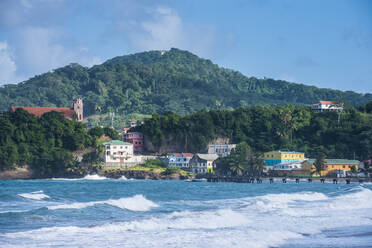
(37, 195)
(94, 177)
(135, 203)
(259, 221)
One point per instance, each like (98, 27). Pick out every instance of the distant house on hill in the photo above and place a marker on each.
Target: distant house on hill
(74, 113)
(322, 106)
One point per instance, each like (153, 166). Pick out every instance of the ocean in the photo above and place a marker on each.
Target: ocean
(99, 212)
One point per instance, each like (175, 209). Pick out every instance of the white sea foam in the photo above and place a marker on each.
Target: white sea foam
(123, 178)
(37, 195)
(262, 221)
(94, 177)
(135, 203)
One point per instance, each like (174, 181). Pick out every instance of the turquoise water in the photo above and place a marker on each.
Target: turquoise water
(145, 213)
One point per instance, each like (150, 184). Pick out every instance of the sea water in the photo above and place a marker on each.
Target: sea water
(99, 212)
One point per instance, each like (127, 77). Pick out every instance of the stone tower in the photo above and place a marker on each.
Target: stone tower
(78, 108)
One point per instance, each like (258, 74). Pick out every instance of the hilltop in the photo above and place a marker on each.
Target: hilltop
(161, 81)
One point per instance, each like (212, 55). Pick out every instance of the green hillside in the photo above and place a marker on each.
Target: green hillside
(156, 81)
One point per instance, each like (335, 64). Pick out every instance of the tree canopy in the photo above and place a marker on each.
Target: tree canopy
(264, 128)
(156, 82)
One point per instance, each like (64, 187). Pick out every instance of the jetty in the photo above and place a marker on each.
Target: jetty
(259, 180)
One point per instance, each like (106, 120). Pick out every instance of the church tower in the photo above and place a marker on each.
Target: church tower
(78, 108)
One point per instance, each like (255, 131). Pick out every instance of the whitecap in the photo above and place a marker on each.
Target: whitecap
(94, 177)
(135, 203)
(123, 178)
(36, 195)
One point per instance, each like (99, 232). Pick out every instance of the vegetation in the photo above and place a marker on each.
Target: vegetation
(320, 163)
(242, 161)
(155, 82)
(265, 128)
(46, 143)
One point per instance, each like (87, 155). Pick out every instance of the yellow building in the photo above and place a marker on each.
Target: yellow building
(336, 165)
(278, 157)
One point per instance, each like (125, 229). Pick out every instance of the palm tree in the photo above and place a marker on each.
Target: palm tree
(320, 163)
(237, 169)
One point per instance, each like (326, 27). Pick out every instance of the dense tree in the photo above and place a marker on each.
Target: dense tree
(156, 82)
(46, 143)
(264, 128)
(242, 160)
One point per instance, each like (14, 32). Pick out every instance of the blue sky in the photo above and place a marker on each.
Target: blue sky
(325, 43)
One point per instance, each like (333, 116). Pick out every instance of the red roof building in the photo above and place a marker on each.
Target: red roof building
(74, 113)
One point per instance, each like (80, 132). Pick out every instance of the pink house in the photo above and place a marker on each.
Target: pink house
(136, 138)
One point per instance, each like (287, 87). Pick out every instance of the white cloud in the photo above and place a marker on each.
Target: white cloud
(8, 67)
(41, 50)
(161, 28)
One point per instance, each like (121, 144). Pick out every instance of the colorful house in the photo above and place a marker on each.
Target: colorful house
(278, 157)
(337, 165)
(135, 138)
(203, 163)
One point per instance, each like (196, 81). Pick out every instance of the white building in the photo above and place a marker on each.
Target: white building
(117, 151)
(203, 163)
(328, 106)
(221, 150)
(181, 160)
(289, 166)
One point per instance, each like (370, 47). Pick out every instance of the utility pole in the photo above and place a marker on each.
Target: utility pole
(112, 115)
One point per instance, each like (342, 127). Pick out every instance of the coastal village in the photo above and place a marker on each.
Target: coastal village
(129, 152)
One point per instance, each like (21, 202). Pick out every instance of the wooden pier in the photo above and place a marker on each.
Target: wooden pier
(247, 179)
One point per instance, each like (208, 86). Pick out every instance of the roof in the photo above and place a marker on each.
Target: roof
(207, 156)
(288, 152)
(39, 111)
(188, 154)
(327, 102)
(177, 154)
(336, 161)
(116, 142)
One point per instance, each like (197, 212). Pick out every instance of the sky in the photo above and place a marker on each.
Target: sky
(326, 43)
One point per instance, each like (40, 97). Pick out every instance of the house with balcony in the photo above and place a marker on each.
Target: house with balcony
(117, 151)
(203, 163)
(135, 138)
(181, 160)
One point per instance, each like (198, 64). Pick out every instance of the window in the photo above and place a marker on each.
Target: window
(107, 147)
(108, 153)
(114, 147)
(343, 166)
(121, 147)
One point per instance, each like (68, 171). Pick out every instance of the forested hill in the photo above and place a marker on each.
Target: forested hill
(160, 81)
